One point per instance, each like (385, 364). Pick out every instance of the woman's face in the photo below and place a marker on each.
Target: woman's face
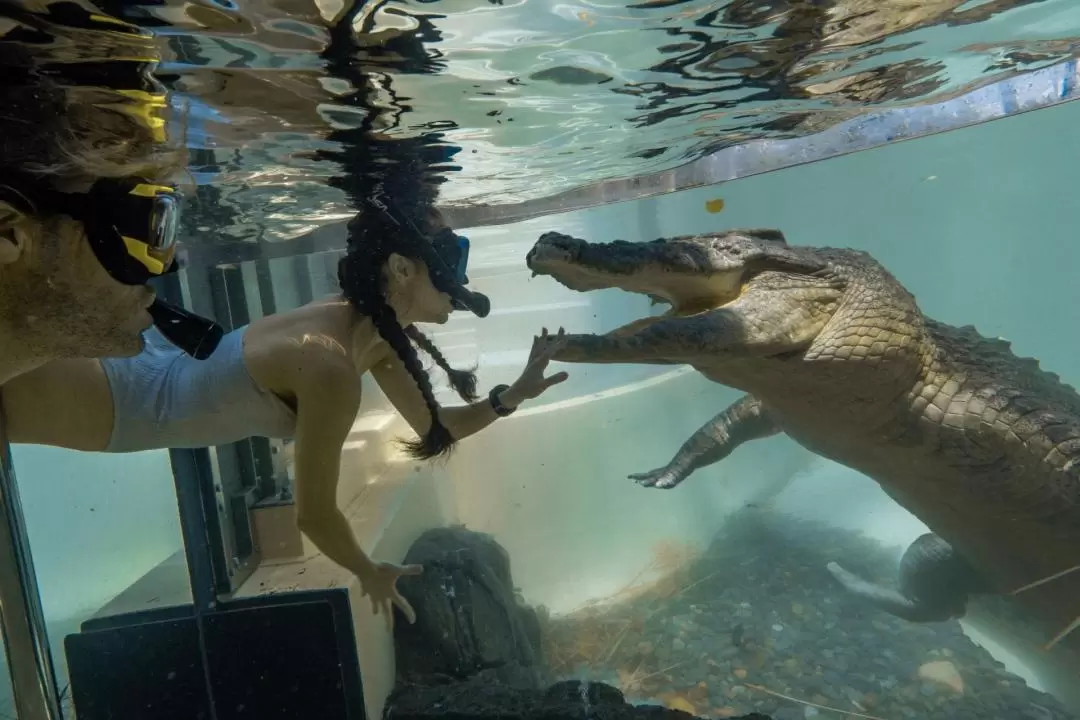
(72, 306)
(412, 293)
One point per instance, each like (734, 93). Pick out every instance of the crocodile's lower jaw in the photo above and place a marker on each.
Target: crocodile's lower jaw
(639, 325)
(633, 327)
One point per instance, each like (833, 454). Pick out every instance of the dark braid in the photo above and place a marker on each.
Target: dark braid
(463, 381)
(359, 274)
(438, 440)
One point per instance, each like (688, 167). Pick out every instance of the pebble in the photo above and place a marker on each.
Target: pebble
(769, 616)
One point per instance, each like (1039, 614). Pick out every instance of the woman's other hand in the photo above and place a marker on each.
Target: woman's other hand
(380, 584)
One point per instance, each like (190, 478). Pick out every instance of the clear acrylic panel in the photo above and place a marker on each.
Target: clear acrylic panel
(98, 524)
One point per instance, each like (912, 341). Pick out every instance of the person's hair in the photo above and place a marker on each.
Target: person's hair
(363, 285)
(66, 106)
(462, 381)
(373, 236)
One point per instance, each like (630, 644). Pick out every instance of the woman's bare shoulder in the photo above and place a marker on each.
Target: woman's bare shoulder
(312, 341)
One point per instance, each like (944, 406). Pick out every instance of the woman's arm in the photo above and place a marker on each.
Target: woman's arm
(461, 420)
(326, 410)
(464, 420)
(64, 403)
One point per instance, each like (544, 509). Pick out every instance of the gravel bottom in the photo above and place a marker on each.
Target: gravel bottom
(756, 617)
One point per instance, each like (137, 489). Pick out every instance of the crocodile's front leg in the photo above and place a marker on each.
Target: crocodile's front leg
(742, 421)
(762, 322)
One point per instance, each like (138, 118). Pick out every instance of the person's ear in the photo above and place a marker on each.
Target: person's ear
(13, 238)
(400, 267)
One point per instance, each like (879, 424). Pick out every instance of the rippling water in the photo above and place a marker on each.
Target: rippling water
(542, 95)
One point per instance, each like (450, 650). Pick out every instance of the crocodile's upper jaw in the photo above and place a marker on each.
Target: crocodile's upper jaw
(647, 269)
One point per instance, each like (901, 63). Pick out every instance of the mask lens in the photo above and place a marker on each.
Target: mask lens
(163, 228)
(164, 222)
(463, 259)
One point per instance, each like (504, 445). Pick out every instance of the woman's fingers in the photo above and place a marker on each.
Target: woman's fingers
(405, 608)
(555, 379)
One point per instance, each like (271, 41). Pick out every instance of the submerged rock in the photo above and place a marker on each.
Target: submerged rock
(943, 673)
(469, 619)
(475, 650)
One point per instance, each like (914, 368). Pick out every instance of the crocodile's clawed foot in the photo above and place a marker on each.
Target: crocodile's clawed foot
(662, 478)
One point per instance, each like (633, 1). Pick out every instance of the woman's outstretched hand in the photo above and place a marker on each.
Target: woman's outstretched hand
(380, 584)
(532, 382)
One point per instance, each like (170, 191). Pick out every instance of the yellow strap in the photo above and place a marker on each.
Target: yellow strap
(146, 190)
(141, 252)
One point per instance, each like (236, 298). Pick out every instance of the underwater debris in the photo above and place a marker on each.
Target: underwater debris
(1068, 630)
(754, 624)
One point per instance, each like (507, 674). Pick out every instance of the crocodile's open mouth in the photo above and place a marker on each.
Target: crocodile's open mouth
(627, 266)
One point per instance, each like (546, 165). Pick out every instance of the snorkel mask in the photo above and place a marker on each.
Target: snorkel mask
(453, 250)
(132, 228)
(447, 256)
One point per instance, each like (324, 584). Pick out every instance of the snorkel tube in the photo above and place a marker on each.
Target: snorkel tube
(194, 334)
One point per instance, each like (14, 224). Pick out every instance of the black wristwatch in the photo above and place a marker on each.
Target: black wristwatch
(496, 405)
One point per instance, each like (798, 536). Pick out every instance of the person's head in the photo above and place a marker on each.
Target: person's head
(404, 265)
(86, 213)
(423, 275)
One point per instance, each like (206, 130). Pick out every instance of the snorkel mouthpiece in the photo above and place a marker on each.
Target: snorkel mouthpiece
(194, 334)
(474, 302)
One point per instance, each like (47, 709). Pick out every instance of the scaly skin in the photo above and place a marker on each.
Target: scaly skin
(982, 446)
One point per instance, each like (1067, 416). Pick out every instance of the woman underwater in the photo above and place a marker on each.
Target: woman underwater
(298, 374)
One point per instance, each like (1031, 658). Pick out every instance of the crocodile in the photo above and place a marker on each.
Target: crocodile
(833, 351)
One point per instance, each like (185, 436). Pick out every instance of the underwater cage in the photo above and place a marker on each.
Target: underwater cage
(175, 584)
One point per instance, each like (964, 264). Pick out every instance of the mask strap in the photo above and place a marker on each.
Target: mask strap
(426, 248)
(26, 202)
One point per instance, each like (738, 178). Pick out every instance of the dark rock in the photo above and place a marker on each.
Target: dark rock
(474, 652)
(479, 699)
(469, 618)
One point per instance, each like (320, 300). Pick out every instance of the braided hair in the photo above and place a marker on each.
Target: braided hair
(373, 237)
(462, 381)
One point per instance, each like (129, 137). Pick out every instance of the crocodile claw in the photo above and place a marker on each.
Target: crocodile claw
(662, 478)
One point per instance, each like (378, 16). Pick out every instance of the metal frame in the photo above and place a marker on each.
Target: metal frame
(26, 640)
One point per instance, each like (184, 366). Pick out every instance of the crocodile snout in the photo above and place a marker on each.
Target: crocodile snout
(554, 247)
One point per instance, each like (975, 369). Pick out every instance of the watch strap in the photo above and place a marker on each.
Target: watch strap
(496, 405)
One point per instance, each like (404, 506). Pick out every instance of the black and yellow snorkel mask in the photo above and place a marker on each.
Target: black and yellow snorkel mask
(132, 227)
